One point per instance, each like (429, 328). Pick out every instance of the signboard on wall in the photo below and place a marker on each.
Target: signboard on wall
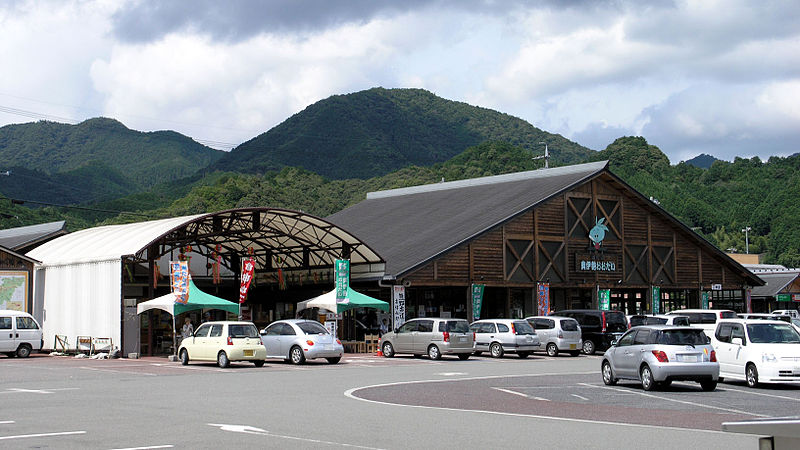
(597, 263)
(543, 297)
(14, 290)
(716, 287)
(704, 297)
(783, 297)
(398, 306)
(604, 299)
(477, 300)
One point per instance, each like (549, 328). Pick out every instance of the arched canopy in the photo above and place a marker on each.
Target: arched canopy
(279, 238)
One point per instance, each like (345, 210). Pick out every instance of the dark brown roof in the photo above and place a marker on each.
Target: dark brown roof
(411, 226)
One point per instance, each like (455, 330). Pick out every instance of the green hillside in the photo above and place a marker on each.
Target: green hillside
(377, 131)
(96, 159)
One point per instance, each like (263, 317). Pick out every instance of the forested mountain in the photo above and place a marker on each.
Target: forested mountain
(702, 161)
(98, 158)
(377, 131)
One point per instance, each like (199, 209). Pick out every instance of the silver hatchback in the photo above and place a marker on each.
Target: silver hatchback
(558, 334)
(499, 336)
(656, 355)
(433, 336)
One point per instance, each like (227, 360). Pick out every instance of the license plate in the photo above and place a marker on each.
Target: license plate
(573, 346)
(328, 347)
(462, 339)
(687, 358)
(250, 353)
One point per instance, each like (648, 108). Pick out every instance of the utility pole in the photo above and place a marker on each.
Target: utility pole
(546, 156)
(746, 230)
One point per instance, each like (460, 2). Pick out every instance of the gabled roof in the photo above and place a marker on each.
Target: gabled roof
(23, 237)
(18, 255)
(775, 283)
(410, 226)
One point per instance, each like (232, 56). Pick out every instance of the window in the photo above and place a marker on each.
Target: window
(569, 325)
(287, 330)
(455, 326)
(202, 331)
(408, 327)
(425, 326)
(5, 323)
(772, 334)
(312, 328)
(591, 321)
(642, 337)
(522, 327)
(273, 330)
(738, 332)
(487, 327)
(727, 315)
(216, 331)
(682, 337)
(626, 339)
(242, 331)
(26, 323)
(544, 324)
(724, 332)
(503, 328)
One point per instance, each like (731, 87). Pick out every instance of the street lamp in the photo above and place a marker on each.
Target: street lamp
(746, 230)
(546, 156)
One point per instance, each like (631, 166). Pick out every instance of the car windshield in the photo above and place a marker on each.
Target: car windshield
(243, 331)
(656, 321)
(635, 321)
(771, 333)
(680, 321)
(569, 325)
(727, 315)
(522, 327)
(312, 328)
(457, 326)
(615, 321)
(682, 337)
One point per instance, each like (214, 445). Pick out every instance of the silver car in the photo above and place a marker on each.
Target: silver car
(558, 334)
(657, 355)
(499, 336)
(297, 340)
(433, 336)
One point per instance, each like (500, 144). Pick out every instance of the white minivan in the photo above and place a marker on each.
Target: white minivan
(20, 334)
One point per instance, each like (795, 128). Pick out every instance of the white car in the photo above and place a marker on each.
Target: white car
(297, 340)
(20, 334)
(757, 351)
(704, 318)
(223, 342)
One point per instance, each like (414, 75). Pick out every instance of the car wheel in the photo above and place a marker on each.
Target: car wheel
(296, 355)
(709, 385)
(575, 353)
(646, 375)
(588, 347)
(608, 375)
(222, 359)
(184, 357)
(434, 353)
(24, 351)
(523, 355)
(496, 350)
(259, 363)
(552, 349)
(334, 360)
(388, 350)
(751, 373)
(463, 356)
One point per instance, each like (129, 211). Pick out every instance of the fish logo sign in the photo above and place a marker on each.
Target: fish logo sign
(598, 233)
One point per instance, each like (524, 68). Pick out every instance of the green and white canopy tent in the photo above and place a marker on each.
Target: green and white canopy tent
(353, 300)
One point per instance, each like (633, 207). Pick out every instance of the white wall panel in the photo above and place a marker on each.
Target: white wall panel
(82, 300)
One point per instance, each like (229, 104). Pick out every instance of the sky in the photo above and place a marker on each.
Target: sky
(715, 77)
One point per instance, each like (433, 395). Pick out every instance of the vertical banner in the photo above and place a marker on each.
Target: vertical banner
(704, 296)
(342, 268)
(748, 300)
(248, 268)
(179, 278)
(543, 297)
(477, 300)
(656, 300)
(398, 306)
(604, 299)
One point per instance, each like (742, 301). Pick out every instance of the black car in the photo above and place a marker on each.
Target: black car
(598, 328)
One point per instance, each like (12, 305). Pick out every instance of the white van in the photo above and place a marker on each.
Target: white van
(787, 312)
(20, 334)
(704, 318)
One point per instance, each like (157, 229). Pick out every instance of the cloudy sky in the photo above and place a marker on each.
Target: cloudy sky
(717, 77)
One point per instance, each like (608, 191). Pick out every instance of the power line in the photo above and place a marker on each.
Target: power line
(16, 201)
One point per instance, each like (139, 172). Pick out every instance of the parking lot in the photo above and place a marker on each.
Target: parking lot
(364, 401)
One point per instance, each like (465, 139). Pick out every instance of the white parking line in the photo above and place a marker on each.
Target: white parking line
(23, 436)
(762, 394)
(676, 401)
(3, 422)
(146, 374)
(508, 391)
(145, 448)
(580, 397)
(35, 391)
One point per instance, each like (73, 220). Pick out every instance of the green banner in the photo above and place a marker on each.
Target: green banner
(477, 300)
(342, 267)
(705, 296)
(604, 299)
(656, 300)
(783, 297)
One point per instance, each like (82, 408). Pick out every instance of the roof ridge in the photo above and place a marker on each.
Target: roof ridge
(494, 179)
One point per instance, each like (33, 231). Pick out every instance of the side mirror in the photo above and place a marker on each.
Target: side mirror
(614, 343)
(737, 341)
(708, 340)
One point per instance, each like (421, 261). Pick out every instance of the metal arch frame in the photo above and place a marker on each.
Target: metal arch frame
(280, 238)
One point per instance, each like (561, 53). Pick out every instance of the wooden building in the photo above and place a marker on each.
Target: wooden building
(514, 233)
(16, 280)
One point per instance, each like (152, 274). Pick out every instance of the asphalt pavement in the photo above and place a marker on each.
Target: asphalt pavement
(365, 401)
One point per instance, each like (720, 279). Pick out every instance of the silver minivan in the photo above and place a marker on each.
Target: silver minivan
(500, 336)
(434, 336)
(20, 334)
(558, 334)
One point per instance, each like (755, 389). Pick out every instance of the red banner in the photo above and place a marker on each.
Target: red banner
(248, 267)
(179, 274)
